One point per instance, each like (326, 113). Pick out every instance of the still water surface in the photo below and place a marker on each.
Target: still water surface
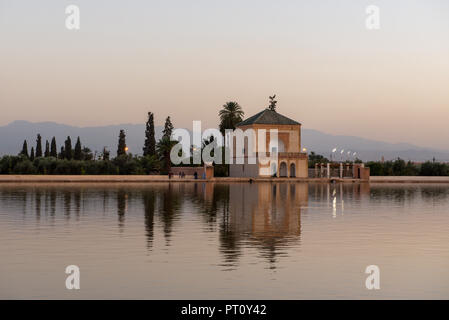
(224, 241)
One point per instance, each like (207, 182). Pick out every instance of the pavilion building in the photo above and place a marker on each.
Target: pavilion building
(290, 162)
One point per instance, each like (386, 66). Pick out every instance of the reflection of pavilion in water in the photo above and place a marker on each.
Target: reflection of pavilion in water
(266, 216)
(261, 215)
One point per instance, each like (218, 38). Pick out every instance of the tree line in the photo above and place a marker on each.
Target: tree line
(77, 159)
(81, 160)
(399, 167)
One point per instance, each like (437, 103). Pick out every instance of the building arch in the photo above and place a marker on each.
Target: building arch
(292, 170)
(283, 169)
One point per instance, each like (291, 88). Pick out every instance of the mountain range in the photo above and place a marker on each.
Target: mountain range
(96, 138)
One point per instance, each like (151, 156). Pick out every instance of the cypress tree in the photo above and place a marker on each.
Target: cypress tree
(53, 152)
(32, 154)
(168, 128)
(78, 153)
(68, 149)
(39, 146)
(62, 153)
(149, 148)
(47, 149)
(121, 149)
(24, 151)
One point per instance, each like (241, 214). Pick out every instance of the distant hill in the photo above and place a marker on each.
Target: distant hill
(323, 143)
(13, 134)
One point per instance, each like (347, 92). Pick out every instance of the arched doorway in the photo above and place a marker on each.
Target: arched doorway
(292, 170)
(283, 170)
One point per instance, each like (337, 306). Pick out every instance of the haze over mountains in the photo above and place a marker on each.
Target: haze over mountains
(13, 134)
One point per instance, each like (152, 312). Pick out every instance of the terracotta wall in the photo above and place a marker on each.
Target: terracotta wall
(189, 171)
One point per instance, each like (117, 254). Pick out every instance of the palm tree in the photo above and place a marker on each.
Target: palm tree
(230, 115)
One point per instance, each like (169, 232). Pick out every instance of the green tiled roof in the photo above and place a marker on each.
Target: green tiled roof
(267, 116)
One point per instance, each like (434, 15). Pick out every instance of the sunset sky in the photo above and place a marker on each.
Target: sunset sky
(187, 58)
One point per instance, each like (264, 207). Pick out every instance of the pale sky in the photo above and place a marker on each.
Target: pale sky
(187, 58)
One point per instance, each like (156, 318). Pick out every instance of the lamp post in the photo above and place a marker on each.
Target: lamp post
(333, 151)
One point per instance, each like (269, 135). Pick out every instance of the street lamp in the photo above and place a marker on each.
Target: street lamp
(332, 154)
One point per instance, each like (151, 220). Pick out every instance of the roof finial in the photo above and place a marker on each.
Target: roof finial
(273, 102)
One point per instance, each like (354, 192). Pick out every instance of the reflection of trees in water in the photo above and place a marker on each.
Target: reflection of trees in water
(435, 194)
(9, 197)
(67, 200)
(149, 204)
(52, 204)
(265, 216)
(122, 198)
(23, 197)
(37, 203)
(392, 194)
(169, 209)
(230, 246)
(77, 201)
(105, 199)
(211, 202)
(229, 238)
(210, 199)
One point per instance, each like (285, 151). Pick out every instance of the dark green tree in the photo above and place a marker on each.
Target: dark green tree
(434, 169)
(78, 151)
(39, 146)
(87, 154)
(68, 149)
(149, 148)
(399, 167)
(121, 148)
(53, 151)
(47, 149)
(273, 103)
(316, 158)
(411, 169)
(32, 154)
(168, 128)
(62, 153)
(105, 154)
(164, 147)
(24, 151)
(376, 168)
(231, 114)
